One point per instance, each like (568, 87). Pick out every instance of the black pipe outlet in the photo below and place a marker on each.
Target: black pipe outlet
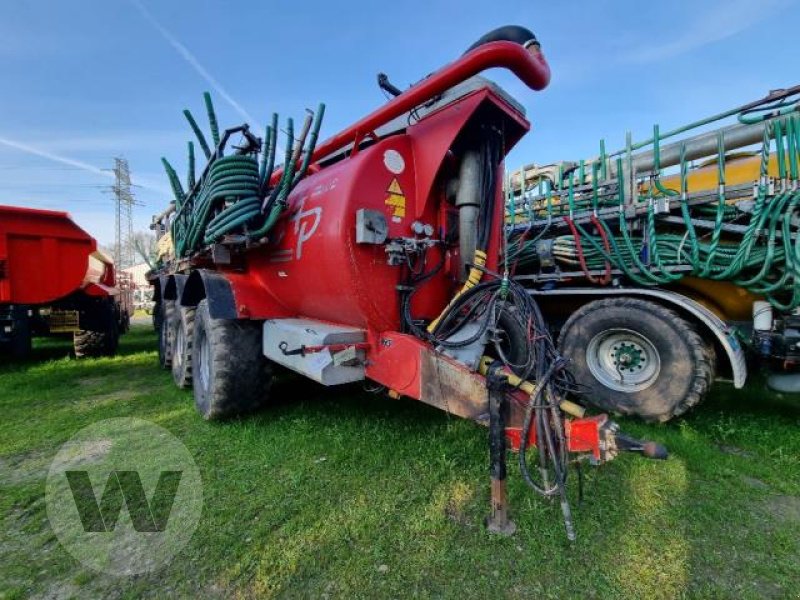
(507, 33)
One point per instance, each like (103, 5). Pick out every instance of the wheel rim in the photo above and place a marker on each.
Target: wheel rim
(204, 368)
(623, 360)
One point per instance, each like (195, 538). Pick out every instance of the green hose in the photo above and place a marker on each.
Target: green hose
(765, 259)
(234, 201)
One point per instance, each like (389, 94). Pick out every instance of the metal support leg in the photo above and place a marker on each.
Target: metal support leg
(498, 521)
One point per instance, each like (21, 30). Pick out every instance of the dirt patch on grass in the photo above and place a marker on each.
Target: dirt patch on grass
(785, 509)
(754, 482)
(735, 451)
(61, 590)
(24, 468)
(74, 454)
(90, 381)
(111, 398)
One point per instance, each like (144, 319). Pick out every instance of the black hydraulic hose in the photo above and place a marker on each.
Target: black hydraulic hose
(388, 86)
(490, 161)
(507, 33)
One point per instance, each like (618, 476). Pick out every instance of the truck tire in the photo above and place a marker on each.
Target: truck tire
(182, 321)
(21, 343)
(102, 339)
(231, 375)
(162, 319)
(635, 357)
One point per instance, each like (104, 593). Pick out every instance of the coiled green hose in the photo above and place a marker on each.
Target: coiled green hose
(234, 198)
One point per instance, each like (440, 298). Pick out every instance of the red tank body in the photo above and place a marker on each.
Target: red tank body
(315, 268)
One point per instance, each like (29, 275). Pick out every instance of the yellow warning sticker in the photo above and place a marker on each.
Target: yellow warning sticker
(396, 199)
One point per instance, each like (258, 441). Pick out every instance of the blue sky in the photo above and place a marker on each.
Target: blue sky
(84, 81)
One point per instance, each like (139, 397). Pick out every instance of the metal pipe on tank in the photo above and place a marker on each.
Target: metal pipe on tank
(735, 136)
(468, 200)
(703, 145)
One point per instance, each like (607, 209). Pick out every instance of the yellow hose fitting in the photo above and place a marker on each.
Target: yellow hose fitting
(567, 406)
(475, 274)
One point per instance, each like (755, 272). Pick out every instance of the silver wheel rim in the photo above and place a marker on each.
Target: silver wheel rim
(204, 370)
(623, 360)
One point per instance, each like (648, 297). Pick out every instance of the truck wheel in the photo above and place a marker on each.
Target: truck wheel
(635, 357)
(101, 341)
(20, 345)
(231, 374)
(125, 320)
(181, 337)
(162, 319)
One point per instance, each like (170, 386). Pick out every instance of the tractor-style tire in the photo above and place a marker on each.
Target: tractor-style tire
(92, 343)
(231, 375)
(181, 338)
(156, 316)
(20, 345)
(635, 357)
(162, 319)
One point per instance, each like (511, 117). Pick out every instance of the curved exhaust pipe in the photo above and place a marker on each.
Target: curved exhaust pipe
(508, 33)
(499, 48)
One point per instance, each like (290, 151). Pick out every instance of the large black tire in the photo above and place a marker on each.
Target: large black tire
(635, 357)
(21, 343)
(182, 333)
(162, 320)
(231, 375)
(89, 343)
(156, 315)
(20, 346)
(101, 334)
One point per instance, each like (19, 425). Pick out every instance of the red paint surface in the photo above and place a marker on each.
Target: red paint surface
(312, 266)
(583, 435)
(44, 256)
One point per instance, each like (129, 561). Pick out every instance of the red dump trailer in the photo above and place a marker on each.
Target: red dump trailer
(54, 281)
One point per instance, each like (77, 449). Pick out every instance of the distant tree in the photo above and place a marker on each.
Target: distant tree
(144, 244)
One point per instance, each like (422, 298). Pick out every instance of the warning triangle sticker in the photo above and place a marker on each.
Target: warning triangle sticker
(394, 187)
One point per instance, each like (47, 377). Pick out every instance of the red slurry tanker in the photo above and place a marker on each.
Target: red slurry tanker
(375, 256)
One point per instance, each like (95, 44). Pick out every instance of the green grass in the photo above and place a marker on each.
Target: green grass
(395, 509)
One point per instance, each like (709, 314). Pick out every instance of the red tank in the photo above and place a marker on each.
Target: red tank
(317, 269)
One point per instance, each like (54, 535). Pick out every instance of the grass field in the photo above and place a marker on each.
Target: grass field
(339, 493)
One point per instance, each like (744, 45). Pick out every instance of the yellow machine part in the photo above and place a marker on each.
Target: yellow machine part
(739, 169)
(164, 246)
(62, 321)
(725, 299)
